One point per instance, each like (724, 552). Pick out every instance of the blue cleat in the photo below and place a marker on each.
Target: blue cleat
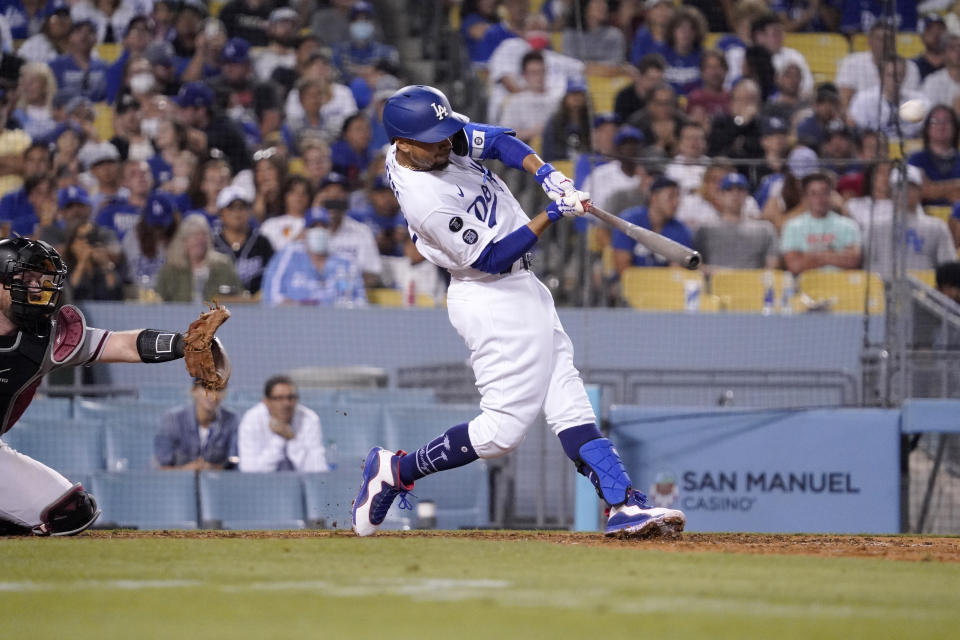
(637, 518)
(381, 485)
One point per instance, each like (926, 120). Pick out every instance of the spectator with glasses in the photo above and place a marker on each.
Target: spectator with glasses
(279, 433)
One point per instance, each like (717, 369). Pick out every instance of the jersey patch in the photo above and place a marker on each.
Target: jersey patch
(470, 236)
(456, 223)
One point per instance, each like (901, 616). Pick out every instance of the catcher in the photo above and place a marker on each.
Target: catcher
(38, 336)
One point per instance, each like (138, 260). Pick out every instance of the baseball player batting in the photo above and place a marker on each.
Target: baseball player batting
(37, 337)
(463, 218)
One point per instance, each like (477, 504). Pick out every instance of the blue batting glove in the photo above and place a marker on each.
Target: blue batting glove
(569, 206)
(554, 184)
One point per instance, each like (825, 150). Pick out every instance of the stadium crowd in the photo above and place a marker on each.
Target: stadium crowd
(176, 150)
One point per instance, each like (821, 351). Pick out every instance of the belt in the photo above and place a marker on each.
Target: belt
(523, 264)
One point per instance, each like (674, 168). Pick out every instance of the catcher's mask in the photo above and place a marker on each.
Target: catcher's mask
(34, 274)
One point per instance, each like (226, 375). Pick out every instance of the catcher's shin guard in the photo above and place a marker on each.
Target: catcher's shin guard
(70, 514)
(600, 462)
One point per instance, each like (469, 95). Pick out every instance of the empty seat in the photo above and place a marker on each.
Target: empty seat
(663, 289)
(45, 408)
(60, 444)
(354, 428)
(843, 291)
(129, 447)
(234, 500)
(387, 396)
(823, 52)
(604, 90)
(147, 499)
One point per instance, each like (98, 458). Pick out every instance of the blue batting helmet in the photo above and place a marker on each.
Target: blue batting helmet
(421, 113)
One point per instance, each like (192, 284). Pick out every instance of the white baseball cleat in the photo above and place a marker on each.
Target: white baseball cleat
(638, 518)
(381, 485)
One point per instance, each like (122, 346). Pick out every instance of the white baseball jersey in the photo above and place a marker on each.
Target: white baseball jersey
(452, 214)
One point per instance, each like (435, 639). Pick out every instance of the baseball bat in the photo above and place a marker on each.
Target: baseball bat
(672, 251)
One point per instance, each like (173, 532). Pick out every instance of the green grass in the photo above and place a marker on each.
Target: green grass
(456, 587)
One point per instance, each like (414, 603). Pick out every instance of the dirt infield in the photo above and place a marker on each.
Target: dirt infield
(910, 548)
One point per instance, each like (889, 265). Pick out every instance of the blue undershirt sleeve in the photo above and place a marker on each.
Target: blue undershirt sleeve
(510, 151)
(499, 255)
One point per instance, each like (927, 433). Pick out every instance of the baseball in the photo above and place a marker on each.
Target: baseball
(913, 110)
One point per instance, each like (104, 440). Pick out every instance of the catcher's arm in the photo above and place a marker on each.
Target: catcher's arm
(122, 346)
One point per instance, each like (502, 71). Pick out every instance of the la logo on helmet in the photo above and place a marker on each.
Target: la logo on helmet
(440, 110)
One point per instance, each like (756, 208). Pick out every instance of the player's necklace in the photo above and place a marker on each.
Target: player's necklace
(405, 165)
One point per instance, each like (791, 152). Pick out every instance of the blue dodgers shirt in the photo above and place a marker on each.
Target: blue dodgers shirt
(934, 170)
(860, 15)
(291, 277)
(119, 215)
(90, 83)
(643, 257)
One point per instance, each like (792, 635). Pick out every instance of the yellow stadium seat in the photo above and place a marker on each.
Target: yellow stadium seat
(556, 41)
(926, 276)
(909, 45)
(109, 51)
(216, 6)
(823, 52)
(604, 90)
(743, 289)
(909, 146)
(103, 120)
(563, 166)
(844, 291)
(942, 212)
(295, 167)
(711, 40)
(396, 298)
(663, 289)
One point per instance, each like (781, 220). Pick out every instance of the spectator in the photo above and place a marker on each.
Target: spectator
(733, 241)
(876, 108)
(861, 15)
(280, 52)
(652, 37)
(362, 52)
(317, 162)
(252, 104)
(279, 433)
(566, 134)
(948, 280)
(737, 134)
(786, 100)
(77, 70)
(21, 207)
(102, 162)
(767, 32)
(590, 37)
(527, 111)
(36, 89)
(162, 61)
(93, 272)
(605, 180)
(269, 176)
(350, 154)
(349, 239)
(121, 211)
(807, 15)
(658, 216)
(306, 272)
(194, 271)
(51, 218)
(197, 113)
(136, 39)
(284, 229)
(481, 29)
(934, 30)
(661, 119)
(248, 19)
(861, 70)
(734, 45)
(332, 23)
(690, 161)
(781, 195)
(633, 98)
(320, 107)
(838, 148)
(145, 247)
(249, 249)
(25, 18)
(199, 436)
(109, 17)
(205, 185)
(170, 140)
(198, 43)
(943, 87)
(600, 147)
(684, 40)
(382, 216)
(812, 131)
(875, 203)
(758, 66)
(15, 205)
(702, 206)
(939, 159)
(710, 99)
(775, 142)
(926, 240)
(820, 237)
(128, 138)
(51, 41)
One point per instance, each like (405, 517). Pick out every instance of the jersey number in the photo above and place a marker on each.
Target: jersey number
(484, 207)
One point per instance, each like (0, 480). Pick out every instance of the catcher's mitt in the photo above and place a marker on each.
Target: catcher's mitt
(205, 357)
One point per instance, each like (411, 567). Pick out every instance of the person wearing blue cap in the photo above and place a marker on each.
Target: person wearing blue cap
(51, 40)
(381, 214)
(657, 216)
(77, 70)
(733, 241)
(198, 112)
(145, 247)
(363, 50)
(122, 210)
(619, 175)
(567, 133)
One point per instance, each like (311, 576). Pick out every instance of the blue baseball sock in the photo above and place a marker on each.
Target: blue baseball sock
(449, 451)
(574, 438)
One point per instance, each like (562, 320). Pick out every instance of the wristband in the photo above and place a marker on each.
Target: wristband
(543, 172)
(553, 211)
(159, 346)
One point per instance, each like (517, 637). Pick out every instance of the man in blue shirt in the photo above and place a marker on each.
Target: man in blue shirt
(76, 70)
(651, 37)
(860, 15)
(362, 50)
(136, 39)
(199, 436)
(382, 215)
(658, 216)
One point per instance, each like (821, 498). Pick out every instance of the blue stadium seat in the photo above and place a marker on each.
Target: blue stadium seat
(329, 496)
(412, 425)
(388, 396)
(165, 394)
(61, 444)
(234, 500)
(355, 428)
(44, 408)
(129, 448)
(128, 411)
(147, 499)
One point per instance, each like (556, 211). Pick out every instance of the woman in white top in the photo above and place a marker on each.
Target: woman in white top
(36, 89)
(282, 230)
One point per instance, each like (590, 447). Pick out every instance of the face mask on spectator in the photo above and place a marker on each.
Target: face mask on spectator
(141, 82)
(317, 240)
(149, 127)
(361, 31)
(335, 205)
